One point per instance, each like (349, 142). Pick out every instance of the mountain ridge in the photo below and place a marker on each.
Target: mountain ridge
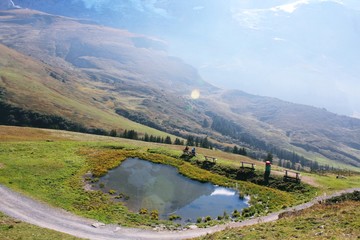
(137, 79)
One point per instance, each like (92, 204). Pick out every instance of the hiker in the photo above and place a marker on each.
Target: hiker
(186, 150)
(193, 152)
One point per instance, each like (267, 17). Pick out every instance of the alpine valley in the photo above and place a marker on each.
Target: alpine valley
(83, 75)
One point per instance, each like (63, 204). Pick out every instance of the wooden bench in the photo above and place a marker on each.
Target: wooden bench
(247, 163)
(207, 158)
(288, 177)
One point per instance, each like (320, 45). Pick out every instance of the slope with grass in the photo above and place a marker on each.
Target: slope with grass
(101, 73)
(29, 84)
(50, 166)
(332, 221)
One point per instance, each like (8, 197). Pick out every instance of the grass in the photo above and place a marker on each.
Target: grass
(29, 86)
(50, 165)
(11, 229)
(339, 221)
(329, 183)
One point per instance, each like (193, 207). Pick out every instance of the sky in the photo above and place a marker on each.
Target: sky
(302, 51)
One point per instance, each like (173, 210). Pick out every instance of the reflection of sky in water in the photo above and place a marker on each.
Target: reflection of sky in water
(161, 187)
(213, 205)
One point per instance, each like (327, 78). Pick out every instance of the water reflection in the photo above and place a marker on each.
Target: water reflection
(156, 186)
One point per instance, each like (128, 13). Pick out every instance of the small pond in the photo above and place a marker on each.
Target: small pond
(157, 186)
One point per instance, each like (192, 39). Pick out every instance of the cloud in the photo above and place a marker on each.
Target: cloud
(139, 5)
(356, 115)
(250, 18)
(96, 4)
(223, 192)
(291, 7)
(198, 8)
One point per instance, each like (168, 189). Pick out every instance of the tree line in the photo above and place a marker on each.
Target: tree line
(286, 158)
(15, 116)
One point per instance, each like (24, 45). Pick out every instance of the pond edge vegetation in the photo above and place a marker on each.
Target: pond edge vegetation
(263, 199)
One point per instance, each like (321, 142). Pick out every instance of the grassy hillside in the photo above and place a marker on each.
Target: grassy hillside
(50, 165)
(335, 221)
(29, 84)
(101, 77)
(12, 229)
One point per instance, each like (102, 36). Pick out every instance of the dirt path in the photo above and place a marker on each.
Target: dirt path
(28, 210)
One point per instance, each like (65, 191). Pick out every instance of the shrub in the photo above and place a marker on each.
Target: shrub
(235, 214)
(174, 217)
(112, 191)
(154, 215)
(143, 211)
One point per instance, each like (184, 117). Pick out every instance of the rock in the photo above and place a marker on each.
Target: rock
(192, 227)
(97, 225)
(117, 229)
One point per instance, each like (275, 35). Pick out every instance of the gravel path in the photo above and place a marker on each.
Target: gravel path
(28, 210)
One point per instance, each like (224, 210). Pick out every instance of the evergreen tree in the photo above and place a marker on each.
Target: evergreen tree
(190, 141)
(205, 123)
(227, 149)
(113, 133)
(205, 143)
(125, 134)
(146, 137)
(235, 150)
(168, 140)
(177, 141)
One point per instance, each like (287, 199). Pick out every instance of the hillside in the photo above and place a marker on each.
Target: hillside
(101, 77)
(331, 221)
(27, 84)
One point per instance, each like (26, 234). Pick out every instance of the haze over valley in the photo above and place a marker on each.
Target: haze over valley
(169, 119)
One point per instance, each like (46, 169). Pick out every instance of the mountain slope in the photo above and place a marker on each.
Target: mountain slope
(93, 74)
(307, 50)
(31, 85)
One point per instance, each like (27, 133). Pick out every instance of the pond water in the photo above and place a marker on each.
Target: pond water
(157, 186)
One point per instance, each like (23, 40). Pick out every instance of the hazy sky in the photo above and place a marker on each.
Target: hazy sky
(303, 51)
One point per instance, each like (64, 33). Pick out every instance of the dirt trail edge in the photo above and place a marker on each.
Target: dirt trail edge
(28, 210)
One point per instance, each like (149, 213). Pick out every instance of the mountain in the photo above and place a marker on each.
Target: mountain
(108, 78)
(307, 50)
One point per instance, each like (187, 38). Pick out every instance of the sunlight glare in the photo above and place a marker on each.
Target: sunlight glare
(195, 94)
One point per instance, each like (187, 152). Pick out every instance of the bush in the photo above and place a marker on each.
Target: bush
(235, 214)
(154, 215)
(143, 211)
(174, 217)
(112, 191)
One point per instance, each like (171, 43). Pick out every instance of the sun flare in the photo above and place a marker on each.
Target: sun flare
(195, 94)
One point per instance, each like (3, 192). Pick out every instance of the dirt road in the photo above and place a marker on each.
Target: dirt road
(28, 210)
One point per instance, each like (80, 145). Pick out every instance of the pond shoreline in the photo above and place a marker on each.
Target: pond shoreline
(143, 186)
(26, 209)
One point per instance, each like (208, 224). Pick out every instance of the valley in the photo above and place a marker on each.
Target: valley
(105, 134)
(99, 77)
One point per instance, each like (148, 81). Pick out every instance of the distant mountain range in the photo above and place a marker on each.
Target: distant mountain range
(109, 78)
(307, 50)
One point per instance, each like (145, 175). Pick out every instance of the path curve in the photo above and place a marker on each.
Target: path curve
(28, 210)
